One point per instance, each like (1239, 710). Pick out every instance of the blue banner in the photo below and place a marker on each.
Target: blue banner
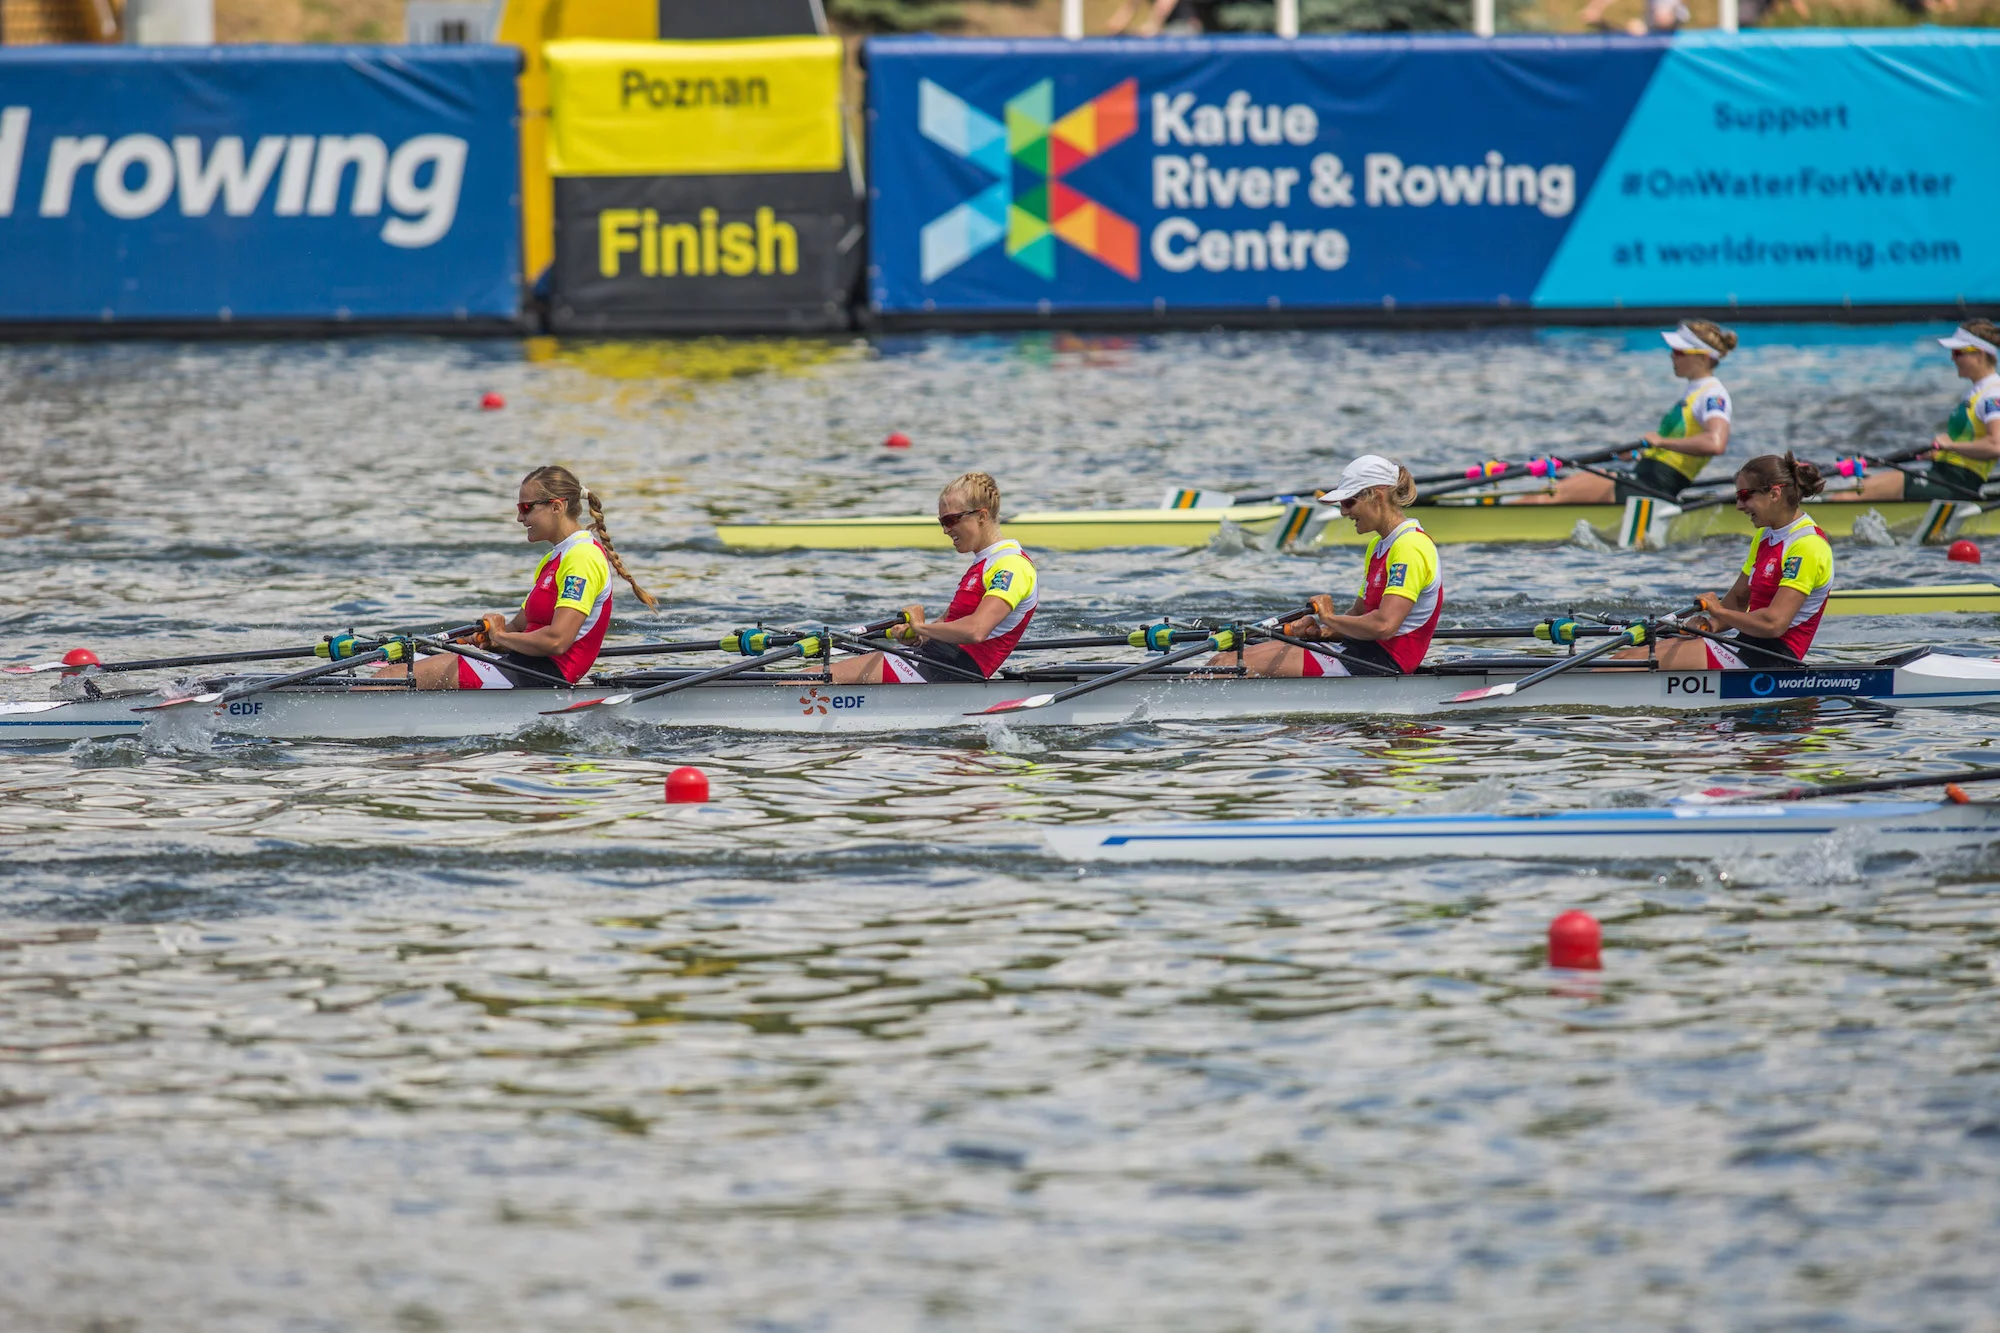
(258, 183)
(1442, 172)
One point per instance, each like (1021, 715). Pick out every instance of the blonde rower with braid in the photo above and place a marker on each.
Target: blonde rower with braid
(560, 626)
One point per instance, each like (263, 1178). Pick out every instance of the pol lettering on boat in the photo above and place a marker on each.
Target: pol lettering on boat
(1703, 683)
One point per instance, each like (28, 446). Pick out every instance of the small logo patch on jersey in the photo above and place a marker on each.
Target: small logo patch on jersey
(573, 588)
(1001, 580)
(1712, 403)
(1792, 564)
(1398, 575)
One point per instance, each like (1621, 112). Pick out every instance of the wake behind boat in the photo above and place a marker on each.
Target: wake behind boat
(807, 702)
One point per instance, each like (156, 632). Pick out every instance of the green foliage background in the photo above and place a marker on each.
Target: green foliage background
(895, 15)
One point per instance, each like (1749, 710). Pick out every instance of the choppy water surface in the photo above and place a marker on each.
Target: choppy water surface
(357, 1037)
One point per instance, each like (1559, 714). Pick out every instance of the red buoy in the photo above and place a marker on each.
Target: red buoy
(896, 440)
(1963, 551)
(80, 657)
(687, 786)
(1574, 941)
(492, 402)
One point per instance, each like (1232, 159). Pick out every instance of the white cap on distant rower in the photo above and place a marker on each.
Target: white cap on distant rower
(1365, 471)
(1960, 338)
(1683, 339)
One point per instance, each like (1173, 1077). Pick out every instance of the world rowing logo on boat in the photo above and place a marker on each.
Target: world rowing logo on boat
(814, 702)
(1029, 206)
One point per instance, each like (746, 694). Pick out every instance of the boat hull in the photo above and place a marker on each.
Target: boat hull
(809, 707)
(1097, 529)
(1703, 832)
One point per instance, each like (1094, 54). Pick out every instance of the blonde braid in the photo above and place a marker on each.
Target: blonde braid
(603, 535)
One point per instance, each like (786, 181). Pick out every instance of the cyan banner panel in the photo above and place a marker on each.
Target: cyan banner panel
(1441, 172)
(258, 183)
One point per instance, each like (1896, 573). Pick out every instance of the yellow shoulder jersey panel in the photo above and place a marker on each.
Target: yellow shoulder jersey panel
(1808, 564)
(1412, 565)
(1010, 578)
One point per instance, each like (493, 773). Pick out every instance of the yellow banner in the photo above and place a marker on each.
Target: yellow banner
(694, 108)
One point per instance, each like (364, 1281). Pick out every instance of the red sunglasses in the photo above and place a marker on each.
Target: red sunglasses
(521, 508)
(1743, 496)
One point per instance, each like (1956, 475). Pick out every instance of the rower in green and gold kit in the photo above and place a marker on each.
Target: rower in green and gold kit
(1962, 457)
(1694, 430)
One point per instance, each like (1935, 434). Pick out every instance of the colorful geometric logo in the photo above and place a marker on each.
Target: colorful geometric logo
(1033, 215)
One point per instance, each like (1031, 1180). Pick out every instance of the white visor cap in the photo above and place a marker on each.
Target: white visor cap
(1365, 471)
(1683, 339)
(1960, 338)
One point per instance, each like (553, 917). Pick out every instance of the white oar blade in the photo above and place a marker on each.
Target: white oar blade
(581, 704)
(31, 670)
(178, 703)
(1015, 705)
(1490, 692)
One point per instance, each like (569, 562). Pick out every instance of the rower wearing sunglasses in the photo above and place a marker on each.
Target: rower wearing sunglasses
(1388, 629)
(988, 615)
(1774, 609)
(554, 637)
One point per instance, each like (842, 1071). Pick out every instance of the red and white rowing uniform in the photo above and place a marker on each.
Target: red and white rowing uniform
(1002, 570)
(1794, 556)
(574, 574)
(1402, 564)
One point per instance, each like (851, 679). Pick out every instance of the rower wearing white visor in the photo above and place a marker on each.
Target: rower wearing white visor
(1388, 629)
(1694, 430)
(1962, 456)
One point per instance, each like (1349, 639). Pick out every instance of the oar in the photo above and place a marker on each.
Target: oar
(1888, 784)
(319, 649)
(1462, 478)
(388, 652)
(1538, 467)
(492, 659)
(805, 647)
(1219, 641)
(1630, 636)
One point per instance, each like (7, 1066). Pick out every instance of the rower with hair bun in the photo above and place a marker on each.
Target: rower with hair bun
(989, 613)
(1694, 430)
(1774, 609)
(1388, 629)
(555, 635)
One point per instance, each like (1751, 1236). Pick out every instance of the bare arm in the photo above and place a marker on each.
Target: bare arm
(1768, 623)
(974, 628)
(1989, 447)
(1381, 623)
(552, 638)
(1711, 443)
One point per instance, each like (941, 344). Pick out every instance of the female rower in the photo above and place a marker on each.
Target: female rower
(1694, 430)
(1388, 629)
(1962, 457)
(555, 635)
(1774, 609)
(987, 616)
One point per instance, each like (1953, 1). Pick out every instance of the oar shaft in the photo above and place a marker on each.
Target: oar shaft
(1890, 784)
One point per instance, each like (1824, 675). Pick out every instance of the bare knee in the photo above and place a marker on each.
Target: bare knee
(865, 670)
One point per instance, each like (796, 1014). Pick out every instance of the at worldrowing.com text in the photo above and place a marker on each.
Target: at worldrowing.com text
(1751, 251)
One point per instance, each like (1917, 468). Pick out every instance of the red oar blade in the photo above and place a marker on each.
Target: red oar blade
(1015, 705)
(31, 670)
(582, 704)
(1489, 692)
(209, 698)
